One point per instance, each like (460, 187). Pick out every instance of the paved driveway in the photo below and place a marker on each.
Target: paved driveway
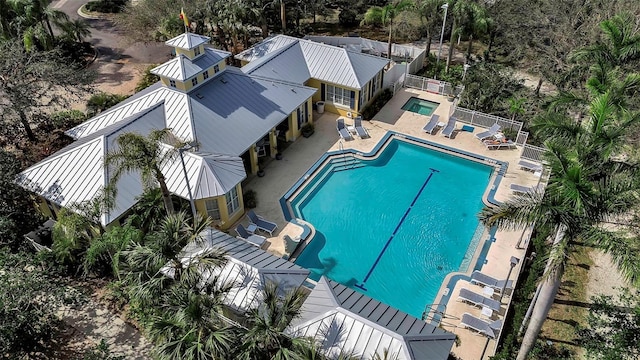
(111, 42)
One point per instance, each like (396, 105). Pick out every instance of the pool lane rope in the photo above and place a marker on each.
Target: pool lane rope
(384, 249)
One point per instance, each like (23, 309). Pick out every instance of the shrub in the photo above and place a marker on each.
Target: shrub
(106, 6)
(67, 119)
(147, 79)
(377, 104)
(101, 102)
(250, 199)
(348, 18)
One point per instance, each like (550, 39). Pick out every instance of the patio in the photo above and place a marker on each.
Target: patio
(302, 154)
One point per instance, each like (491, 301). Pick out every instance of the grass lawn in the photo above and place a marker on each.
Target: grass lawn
(571, 305)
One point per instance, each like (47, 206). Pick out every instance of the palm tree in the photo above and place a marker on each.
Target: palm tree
(384, 16)
(621, 45)
(184, 299)
(429, 15)
(587, 188)
(266, 338)
(146, 155)
(76, 29)
(33, 19)
(516, 107)
(469, 19)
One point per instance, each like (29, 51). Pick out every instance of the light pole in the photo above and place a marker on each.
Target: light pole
(444, 21)
(465, 68)
(512, 262)
(182, 149)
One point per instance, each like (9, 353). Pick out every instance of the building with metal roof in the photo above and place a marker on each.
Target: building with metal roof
(234, 118)
(347, 80)
(344, 321)
(249, 268)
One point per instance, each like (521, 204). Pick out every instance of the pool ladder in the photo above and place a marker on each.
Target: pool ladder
(347, 161)
(434, 312)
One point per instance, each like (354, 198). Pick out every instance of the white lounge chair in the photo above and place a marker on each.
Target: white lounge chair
(489, 329)
(496, 144)
(521, 189)
(529, 165)
(493, 130)
(342, 130)
(252, 239)
(432, 124)
(451, 126)
(261, 223)
(476, 299)
(485, 280)
(360, 130)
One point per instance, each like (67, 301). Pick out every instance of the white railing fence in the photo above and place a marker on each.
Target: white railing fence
(522, 137)
(532, 152)
(486, 120)
(431, 85)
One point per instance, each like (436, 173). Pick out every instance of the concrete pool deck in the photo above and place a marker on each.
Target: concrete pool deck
(303, 153)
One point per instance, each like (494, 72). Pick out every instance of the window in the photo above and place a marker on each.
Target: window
(205, 74)
(338, 95)
(216, 68)
(172, 83)
(197, 51)
(194, 81)
(212, 209)
(233, 203)
(362, 100)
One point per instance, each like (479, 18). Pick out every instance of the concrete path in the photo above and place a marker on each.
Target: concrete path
(98, 323)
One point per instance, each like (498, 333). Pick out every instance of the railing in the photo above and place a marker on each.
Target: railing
(485, 120)
(431, 85)
(522, 137)
(531, 152)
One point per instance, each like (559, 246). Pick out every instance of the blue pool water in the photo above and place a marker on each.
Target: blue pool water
(395, 227)
(420, 106)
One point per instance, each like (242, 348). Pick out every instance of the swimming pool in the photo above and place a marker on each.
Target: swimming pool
(420, 106)
(395, 226)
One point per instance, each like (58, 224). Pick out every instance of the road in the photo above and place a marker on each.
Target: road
(112, 43)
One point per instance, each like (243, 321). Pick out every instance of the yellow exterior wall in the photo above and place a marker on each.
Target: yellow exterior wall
(294, 132)
(330, 107)
(179, 84)
(41, 206)
(226, 219)
(189, 53)
(186, 85)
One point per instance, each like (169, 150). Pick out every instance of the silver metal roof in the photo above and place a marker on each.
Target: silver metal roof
(265, 47)
(182, 68)
(187, 41)
(323, 62)
(345, 321)
(209, 175)
(76, 173)
(175, 105)
(368, 46)
(234, 111)
(249, 268)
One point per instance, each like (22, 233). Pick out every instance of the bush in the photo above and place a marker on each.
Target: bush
(67, 119)
(250, 199)
(101, 102)
(348, 18)
(377, 104)
(106, 6)
(147, 79)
